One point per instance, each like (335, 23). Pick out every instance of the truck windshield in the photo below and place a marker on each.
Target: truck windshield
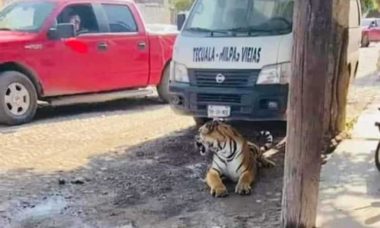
(241, 17)
(25, 16)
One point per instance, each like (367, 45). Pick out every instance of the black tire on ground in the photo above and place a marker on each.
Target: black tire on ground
(377, 156)
(16, 89)
(365, 41)
(163, 87)
(200, 121)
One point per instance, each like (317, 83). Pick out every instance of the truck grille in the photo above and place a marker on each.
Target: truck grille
(232, 78)
(218, 98)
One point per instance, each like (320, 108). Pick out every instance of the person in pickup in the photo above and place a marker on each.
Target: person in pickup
(76, 21)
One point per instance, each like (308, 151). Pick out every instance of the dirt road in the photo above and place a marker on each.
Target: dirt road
(130, 163)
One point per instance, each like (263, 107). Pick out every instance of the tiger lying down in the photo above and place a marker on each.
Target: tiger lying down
(233, 157)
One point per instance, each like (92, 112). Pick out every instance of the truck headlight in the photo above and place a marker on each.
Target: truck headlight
(275, 74)
(179, 73)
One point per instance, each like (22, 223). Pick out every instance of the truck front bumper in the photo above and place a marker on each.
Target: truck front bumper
(257, 103)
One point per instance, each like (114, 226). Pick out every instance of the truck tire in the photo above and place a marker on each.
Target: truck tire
(365, 41)
(200, 121)
(163, 87)
(18, 98)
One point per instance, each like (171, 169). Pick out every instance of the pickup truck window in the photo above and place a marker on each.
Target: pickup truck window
(25, 16)
(82, 16)
(120, 18)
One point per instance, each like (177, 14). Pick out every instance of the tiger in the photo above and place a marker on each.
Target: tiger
(232, 156)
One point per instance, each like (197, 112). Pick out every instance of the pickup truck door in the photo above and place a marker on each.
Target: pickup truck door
(79, 63)
(127, 47)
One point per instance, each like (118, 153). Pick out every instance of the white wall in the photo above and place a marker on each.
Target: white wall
(154, 13)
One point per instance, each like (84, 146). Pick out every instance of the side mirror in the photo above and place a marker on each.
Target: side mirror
(64, 30)
(181, 18)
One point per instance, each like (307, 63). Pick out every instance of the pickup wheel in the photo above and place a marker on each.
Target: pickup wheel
(163, 87)
(365, 41)
(18, 98)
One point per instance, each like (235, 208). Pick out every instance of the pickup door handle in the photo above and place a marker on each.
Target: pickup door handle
(102, 46)
(141, 45)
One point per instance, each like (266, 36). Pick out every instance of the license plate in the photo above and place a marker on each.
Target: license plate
(217, 111)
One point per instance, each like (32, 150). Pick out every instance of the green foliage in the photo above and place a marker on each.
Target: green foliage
(181, 5)
(368, 5)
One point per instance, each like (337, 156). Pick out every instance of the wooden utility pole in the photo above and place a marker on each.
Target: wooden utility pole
(316, 93)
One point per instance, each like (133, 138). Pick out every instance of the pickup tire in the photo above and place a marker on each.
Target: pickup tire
(163, 87)
(18, 98)
(365, 41)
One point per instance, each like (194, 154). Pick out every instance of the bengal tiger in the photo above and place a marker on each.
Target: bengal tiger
(233, 157)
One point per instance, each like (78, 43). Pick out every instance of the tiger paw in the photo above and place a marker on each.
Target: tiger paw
(219, 191)
(243, 188)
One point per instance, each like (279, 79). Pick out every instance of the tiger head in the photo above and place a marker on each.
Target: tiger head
(212, 135)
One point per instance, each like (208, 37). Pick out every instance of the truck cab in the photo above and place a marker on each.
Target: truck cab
(74, 51)
(232, 60)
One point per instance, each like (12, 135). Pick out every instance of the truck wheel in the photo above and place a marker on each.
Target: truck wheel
(200, 121)
(163, 87)
(365, 41)
(18, 98)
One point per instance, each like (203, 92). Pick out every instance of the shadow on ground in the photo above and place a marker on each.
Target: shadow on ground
(155, 184)
(369, 80)
(50, 114)
(350, 188)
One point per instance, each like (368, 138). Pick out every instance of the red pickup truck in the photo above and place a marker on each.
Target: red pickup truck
(370, 31)
(60, 52)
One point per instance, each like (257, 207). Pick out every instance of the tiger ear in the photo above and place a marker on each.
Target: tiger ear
(214, 124)
(210, 126)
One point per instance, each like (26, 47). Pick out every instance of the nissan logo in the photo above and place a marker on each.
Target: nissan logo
(220, 78)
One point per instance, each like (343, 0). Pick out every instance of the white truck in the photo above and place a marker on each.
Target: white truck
(232, 59)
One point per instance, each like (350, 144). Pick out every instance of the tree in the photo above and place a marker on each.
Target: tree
(181, 5)
(317, 95)
(367, 5)
(370, 8)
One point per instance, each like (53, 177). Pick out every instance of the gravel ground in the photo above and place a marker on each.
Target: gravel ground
(132, 163)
